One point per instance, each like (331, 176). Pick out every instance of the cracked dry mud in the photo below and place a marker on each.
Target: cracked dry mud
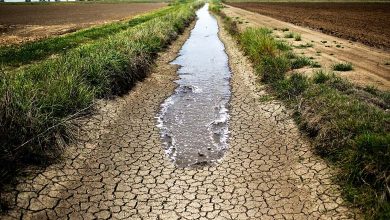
(119, 169)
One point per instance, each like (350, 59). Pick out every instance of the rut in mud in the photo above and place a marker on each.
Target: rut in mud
(193, 120)
(119, 170)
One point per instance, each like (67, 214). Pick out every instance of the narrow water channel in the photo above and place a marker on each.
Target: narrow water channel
(193, 121)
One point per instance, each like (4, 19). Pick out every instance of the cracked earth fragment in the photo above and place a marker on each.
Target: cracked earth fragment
(119, 170)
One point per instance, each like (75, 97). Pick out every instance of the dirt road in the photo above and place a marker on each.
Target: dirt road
(370, 64)
(119, 169)
(20, 23)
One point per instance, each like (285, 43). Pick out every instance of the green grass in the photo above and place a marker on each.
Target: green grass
(263, 52)
(315, 64)
(303, 46)
(342, 66)
(266, 98)
(348, 125)
(297, 37)
(300, 62)
(289, 35)
(17, 55)
(38, 101)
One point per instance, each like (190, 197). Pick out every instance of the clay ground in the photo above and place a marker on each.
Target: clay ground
(371, 65)
(119, 169)
(367, 23)
(20, 23)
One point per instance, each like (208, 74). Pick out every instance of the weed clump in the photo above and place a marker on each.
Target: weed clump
(315, 64)
(320, 77)
(303, 46)
(289, 35)
(297, 37)
(291, 87)
(300, 62)
(342, 66)
(265, 51)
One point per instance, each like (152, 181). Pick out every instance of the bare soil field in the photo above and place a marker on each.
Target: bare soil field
(367, 23)
(370, 65)
(20, 23)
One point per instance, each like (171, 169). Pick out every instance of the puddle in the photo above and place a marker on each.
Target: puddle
(193, 121)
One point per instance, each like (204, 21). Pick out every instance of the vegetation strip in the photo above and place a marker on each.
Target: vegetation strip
(349, 125)
(36, 102)
(16, 55)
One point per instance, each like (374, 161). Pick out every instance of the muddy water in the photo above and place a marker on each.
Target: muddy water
(193, 121)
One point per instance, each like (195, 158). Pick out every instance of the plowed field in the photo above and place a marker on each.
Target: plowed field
(19, 23)
(367, 23)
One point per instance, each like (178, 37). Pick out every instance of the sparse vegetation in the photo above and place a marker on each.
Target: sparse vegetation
(297, 37)
(320, 76)
(265, 98)
(347, 128)
(290, 55)
(315, 64)
(300, 62)
(342, 66)
(289, 35)
(303, 46)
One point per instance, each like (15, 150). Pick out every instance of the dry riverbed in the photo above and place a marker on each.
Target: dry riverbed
(119, 169)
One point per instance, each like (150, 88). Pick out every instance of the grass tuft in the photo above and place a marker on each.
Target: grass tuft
(342, 66)
(315, 64)
(297, 37)
(321, 77)
(289, 35)
(303, 46)
(300, 62)
(292, 86)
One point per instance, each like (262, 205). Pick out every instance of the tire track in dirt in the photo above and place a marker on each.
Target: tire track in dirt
(119, 170)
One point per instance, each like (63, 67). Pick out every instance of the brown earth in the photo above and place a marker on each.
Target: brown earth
(367, 23)
(20, 23)
(370, 65)
(119, 169)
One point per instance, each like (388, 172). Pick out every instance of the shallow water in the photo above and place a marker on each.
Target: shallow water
(193, 121)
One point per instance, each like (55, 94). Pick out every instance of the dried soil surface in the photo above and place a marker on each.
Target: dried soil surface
(370, 65)
(119, 169)
(20, 23)
(367, 23)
